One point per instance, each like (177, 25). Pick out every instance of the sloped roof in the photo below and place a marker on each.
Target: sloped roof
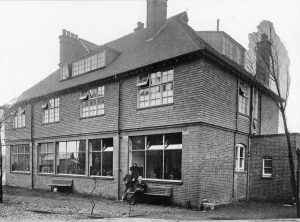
(175, 39)
(136, 52)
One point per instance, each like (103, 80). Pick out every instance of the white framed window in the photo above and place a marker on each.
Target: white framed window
(158, 156)
(71, 157)
(92, 102)
(255, 104)
(20, 158)
(101, 157)
(65, 71)
(19, 119)
(51, 111)
(267, 170)
(89, 63)
(46, 158)
(155, 89)
(239, 157)
(244, 98)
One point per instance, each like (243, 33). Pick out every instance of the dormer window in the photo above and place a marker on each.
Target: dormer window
(84, 65)
(19, 120)
(232, 50)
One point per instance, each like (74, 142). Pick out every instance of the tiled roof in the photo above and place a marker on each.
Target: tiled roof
(136, 52)
(175, 39)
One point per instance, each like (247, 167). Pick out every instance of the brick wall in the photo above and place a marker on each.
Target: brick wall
(278, 187)
(202, 92)
(269, 116)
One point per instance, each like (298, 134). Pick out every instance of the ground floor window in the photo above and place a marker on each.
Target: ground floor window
(71, 157)
(267, 167)
(46, 157)
(158, 156)
(239, 157)
(20, 158)
(101, 157)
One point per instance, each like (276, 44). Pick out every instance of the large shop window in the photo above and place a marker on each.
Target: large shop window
(46, 158)
(20, 158)
(101, 157)
(158, 156)
(92, 102)
(239, 157)
(51, 111)
(71, 157)
(155, 89)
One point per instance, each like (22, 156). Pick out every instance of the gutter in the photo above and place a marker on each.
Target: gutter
(32, 145)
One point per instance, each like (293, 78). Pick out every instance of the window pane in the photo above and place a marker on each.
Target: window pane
(268, 163)
(107, 163)
(108, 145)
(95, 167)
(80, 168)
(95, 145)
(138, 157)
(154, 168)
(155, 142)
(268, 170)
(172, 164)
(138, 142)
(173, 141)
(62, 158)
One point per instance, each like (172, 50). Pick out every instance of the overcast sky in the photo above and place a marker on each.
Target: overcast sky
(29, 44)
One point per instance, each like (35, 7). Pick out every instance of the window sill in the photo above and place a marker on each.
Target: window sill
(20, 172)
(244, 115)
(240, 171)
(88, 117)
(266, 177)
(162, 181)
(19, 128)
(44, 124)
(77, 176)
(150, 107)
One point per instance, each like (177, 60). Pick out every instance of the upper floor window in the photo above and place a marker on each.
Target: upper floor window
(158, 156)
(255, 103)
(155, 89)
(19, 119)
(20, 158)
(92, 102)
(51, 111)
(84, 65)
(244, 98)
(232, 51)
(239, 157)
(267, 167)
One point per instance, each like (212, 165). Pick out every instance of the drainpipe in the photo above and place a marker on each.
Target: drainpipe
(249, 143)
(235, 132)
(119, 138)
(32, 145)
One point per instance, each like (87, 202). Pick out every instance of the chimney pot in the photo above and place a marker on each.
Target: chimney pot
(64, 32)
(68, 33)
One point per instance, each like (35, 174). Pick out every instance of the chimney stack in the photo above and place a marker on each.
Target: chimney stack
(140, 26)
(156, 16)
(263, 54)
(68, 42)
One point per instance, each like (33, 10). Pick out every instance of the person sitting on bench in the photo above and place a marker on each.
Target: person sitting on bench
(129, 184)
(140, 187)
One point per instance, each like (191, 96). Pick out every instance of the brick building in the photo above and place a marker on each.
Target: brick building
(176, 101)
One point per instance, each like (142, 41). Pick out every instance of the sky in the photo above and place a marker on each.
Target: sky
(29, 31)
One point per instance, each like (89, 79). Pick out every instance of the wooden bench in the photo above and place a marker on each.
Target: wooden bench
(164, 193)
(61, 185)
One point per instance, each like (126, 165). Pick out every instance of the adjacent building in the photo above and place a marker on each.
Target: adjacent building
(176, 101)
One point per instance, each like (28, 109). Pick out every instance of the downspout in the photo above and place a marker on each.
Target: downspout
(119, 138)
(249, 143)
(32, 144)
(234, 137)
